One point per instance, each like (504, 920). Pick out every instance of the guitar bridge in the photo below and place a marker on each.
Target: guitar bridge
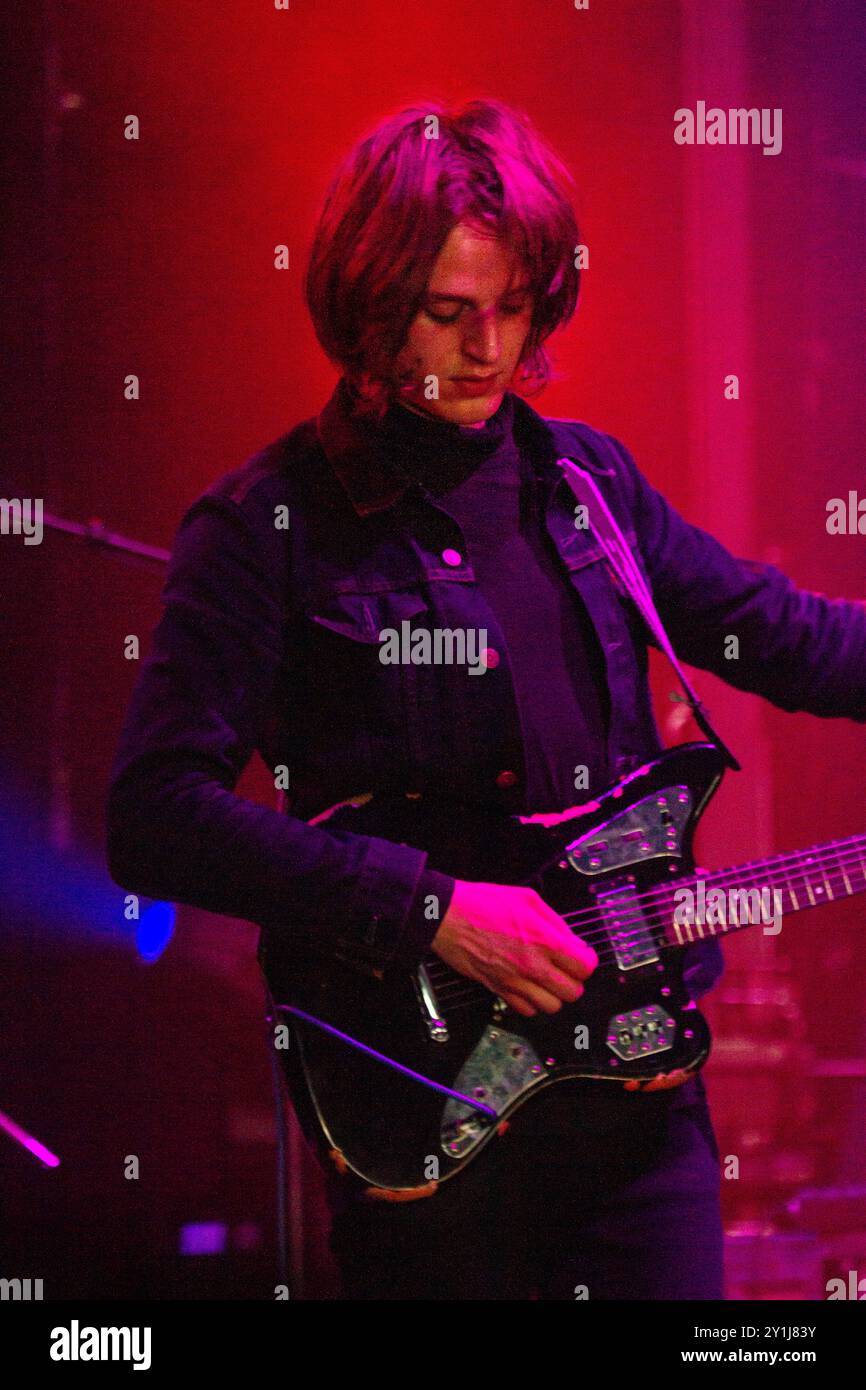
(435, 1024)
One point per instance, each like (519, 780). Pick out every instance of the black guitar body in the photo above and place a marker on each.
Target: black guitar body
(635, 1019)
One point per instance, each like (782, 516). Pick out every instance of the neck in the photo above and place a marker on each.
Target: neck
(728, 899)
(428, 415)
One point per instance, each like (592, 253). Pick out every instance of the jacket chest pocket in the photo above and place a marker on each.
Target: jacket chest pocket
(364, 617)
(352, 707)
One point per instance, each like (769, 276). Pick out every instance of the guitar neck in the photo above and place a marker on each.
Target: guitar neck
(764, 891)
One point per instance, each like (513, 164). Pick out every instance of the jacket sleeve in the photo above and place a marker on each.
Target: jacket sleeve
(176, 830)
(801, 651)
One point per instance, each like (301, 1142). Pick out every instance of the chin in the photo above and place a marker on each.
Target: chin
(469, 410)
(458, 410)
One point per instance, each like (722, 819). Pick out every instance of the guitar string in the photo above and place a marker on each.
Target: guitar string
(664, 903)
(662, 911)
(781, 871)
(661, 895)
(608, 952)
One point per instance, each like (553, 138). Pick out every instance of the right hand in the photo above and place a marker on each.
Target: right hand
(513, 943)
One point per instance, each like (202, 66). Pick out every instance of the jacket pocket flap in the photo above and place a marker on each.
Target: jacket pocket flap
(590, 552)
(364, 617)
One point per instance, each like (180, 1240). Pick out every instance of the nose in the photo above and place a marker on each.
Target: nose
(482, 341)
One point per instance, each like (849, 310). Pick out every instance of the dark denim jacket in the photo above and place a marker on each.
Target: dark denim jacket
(269, 640)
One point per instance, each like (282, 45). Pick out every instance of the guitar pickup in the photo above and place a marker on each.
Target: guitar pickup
(627, 929)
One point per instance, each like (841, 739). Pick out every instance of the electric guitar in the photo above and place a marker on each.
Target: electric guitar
(389, 1071)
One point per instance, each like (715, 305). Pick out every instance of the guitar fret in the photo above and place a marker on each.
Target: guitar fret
(798, 880)
(809, 887)
(849, 890)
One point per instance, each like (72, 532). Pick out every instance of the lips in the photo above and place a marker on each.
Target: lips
(475, 385)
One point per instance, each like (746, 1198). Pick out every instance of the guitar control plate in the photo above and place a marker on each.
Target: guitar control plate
(502, 1066)
(649, 829)
(641, 1032)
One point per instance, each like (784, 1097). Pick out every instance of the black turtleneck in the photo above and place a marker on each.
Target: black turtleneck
(480, 478)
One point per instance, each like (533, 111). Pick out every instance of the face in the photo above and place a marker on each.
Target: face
(470, 330)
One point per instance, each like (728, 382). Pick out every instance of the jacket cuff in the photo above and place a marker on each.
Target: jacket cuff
(423, 920)
(389, 920)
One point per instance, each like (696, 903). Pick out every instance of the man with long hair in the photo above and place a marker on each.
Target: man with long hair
(426, 491)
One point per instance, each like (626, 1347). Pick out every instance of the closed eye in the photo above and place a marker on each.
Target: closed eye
(510, 310)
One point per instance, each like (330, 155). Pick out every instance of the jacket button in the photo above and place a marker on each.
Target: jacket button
(452, 557)
(489, 657)
(506, 779)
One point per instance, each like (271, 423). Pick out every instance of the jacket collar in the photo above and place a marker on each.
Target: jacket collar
(372, 483)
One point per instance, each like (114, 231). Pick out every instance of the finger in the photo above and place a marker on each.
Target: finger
(513, 1000)
(577, 956)
(557, 982)
(574, 955)
(581, 965)
(570, 939)
(519, 1005)
(534, 994)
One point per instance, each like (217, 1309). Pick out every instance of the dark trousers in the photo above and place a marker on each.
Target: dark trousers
(595, 1196)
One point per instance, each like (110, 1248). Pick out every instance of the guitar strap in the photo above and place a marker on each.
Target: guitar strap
(606, 530)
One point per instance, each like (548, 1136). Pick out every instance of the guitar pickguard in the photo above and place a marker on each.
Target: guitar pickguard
(500, 1068)
(650, 828)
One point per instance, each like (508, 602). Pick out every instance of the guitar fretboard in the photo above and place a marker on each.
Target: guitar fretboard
(728, 900)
